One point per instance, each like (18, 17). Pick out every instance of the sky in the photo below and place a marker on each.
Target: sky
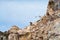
(20, 12)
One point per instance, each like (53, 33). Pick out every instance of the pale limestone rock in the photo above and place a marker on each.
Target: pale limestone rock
(13, 37)
(13, 34)
(14, 29)
(22, 32)
(48, 28)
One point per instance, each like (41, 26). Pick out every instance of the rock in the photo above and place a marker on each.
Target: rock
(14, 29)
(3, 36)
(46, 28)
(13, 34)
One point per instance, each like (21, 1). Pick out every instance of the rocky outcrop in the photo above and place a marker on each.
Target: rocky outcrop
(13, 35)
(47, 28)
(3, 35)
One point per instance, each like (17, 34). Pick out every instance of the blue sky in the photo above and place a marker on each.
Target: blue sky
(20, 12)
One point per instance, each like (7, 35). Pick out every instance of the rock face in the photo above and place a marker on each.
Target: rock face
(47, 28)
(3, 36)
(13, 35)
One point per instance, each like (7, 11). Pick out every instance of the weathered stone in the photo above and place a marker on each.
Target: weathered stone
(3, 36)
(47, 28)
